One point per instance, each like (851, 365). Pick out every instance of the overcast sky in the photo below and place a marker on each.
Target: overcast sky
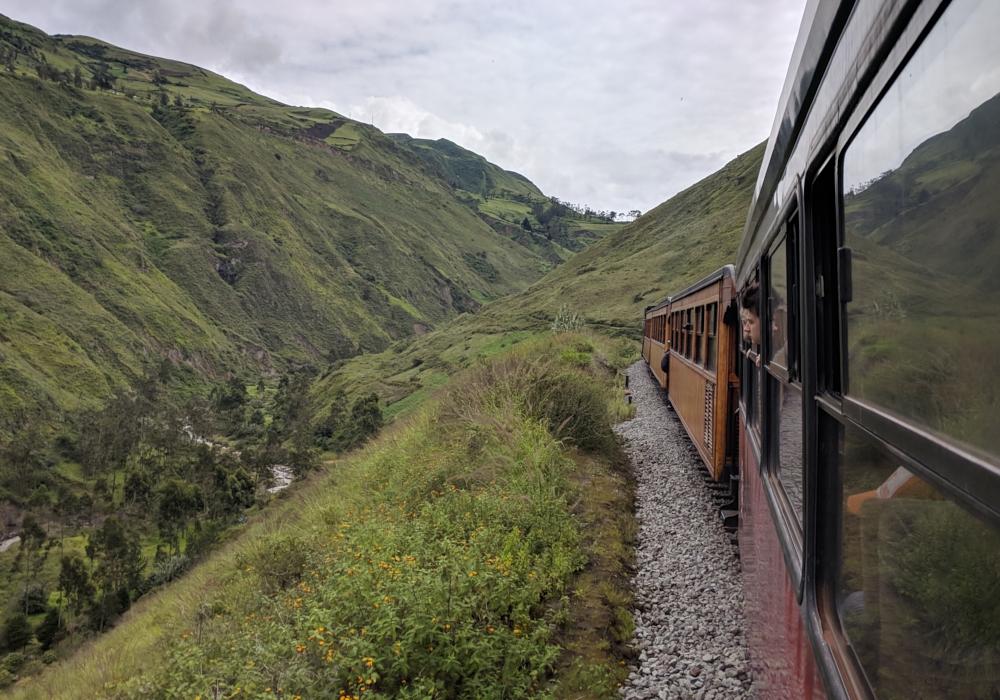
(618, 105)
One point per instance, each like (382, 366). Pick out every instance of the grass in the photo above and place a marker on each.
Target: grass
(131, 233)
(466, 551)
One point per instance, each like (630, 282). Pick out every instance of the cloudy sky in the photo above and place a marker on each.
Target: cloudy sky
(618, 105)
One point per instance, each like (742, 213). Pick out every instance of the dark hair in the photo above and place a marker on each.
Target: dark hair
(750, 298)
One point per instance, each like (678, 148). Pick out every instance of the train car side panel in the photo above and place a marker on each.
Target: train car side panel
(781, 654)
(690, 394)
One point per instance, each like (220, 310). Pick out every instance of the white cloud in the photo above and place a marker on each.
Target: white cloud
(618, 105)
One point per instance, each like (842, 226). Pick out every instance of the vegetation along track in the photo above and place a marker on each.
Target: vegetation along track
(690, 628)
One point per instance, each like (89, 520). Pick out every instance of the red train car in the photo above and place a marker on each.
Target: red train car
(869, 409)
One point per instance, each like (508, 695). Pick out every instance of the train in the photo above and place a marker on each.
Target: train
(842, 378)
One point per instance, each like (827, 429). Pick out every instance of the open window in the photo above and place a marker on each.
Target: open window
(784, 441)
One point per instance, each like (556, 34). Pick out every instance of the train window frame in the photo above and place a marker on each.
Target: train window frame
(699, 335)
(712, 336)
(963, 470)
(688, 333)
(789, 525)
(749, 375)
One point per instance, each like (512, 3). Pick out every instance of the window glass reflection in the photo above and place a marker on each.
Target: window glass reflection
(922, 216)
(777, 305)
(787, 449)
(919, 583)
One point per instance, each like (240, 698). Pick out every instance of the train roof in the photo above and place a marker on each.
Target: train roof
(822, 24)
(721, 273)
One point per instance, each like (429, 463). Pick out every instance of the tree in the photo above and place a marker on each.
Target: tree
(75, 583)
(51, 630)
(526, 225)
(17, 632)
(77, 77)
(179, 502)
(21, 454)
(32, 539)
(235, 489)
(120, 566)
(366, 419)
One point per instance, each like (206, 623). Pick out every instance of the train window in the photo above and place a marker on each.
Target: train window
(750, 374)
(920, 211)
(711, 335)
(777, 302)
(786, 441)
(919, 581)
(784, 444)
(699, 324)
(688, 335)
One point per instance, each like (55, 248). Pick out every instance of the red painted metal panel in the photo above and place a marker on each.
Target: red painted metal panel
(780, 653)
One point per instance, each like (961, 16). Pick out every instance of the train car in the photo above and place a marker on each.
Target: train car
(869, 409)
(703, 337)
(655, 339)
(869, 417)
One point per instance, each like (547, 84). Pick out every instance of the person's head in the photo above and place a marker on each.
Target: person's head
(750, 306)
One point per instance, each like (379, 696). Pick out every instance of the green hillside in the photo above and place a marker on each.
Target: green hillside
(607, 286)
(510, 203)
(151, 209)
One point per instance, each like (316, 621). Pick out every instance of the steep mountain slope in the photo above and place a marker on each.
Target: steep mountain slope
(168, 212)
(510, 203)
(607, 286)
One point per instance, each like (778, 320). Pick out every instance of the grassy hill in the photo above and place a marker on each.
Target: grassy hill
(152, 209)
(510, 203)
(607, 286)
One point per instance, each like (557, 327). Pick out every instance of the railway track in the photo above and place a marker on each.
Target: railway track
(690, 625)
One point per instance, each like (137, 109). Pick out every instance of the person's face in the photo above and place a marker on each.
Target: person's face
(751, 327)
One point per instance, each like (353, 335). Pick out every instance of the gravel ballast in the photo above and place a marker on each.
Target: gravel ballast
(690, 627)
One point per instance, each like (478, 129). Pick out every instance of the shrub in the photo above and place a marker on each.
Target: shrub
(13, 661)
(574, 406)
(168, 569)
(49, 657)
(278, 560)
(576, 358)
(584, 345)
(6, 678)
(565, 321)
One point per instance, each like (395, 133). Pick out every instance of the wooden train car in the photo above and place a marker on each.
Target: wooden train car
(655, 340)
(703, 385)
(869, 435)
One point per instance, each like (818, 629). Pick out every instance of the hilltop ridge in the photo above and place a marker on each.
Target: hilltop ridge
(153, 209)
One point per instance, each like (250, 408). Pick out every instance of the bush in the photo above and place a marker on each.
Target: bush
(49, 657)
(565, 321)
(6, 678)
(575, 406)
(168, 569)
(278, 560)
(13, 661)
(584, 345)
(33, 599)
(576, 358)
